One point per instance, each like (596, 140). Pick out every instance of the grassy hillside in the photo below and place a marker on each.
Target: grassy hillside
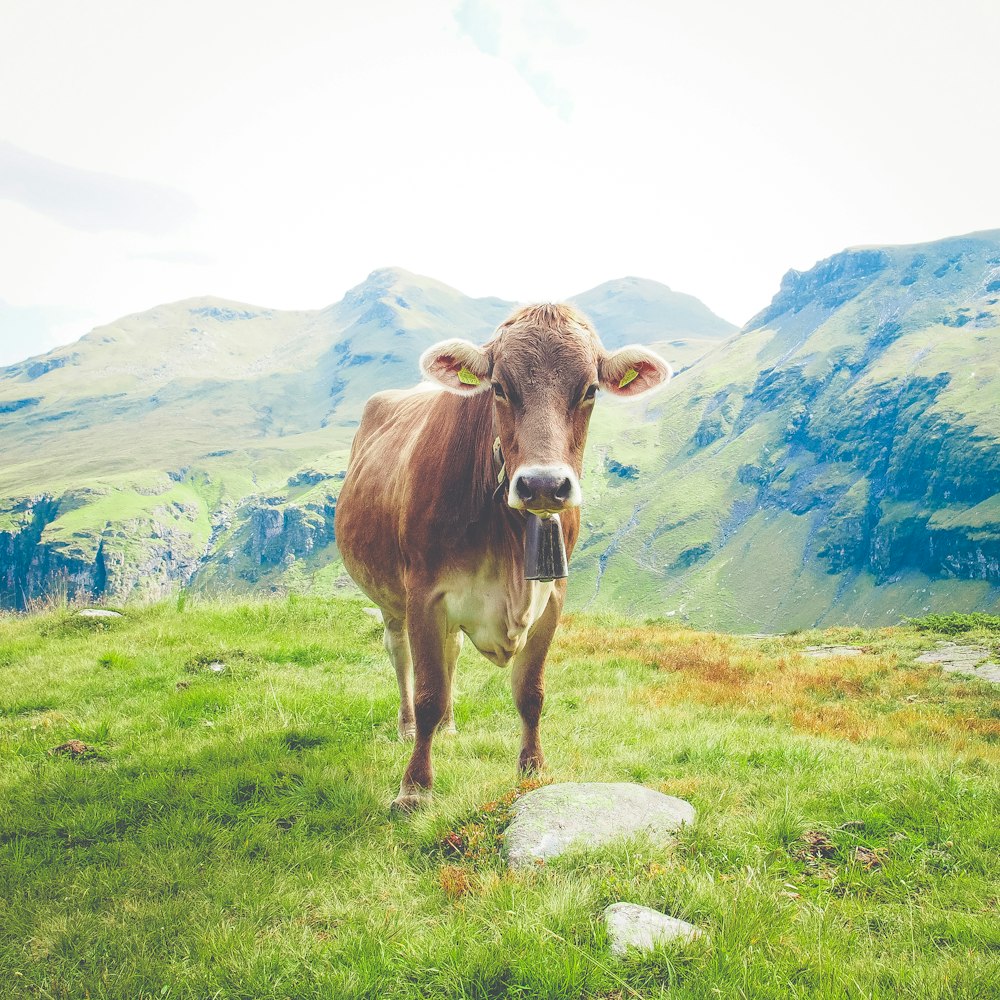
(221, 828)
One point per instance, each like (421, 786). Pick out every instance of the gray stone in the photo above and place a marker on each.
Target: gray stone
(968, 660)
(554, 818)
(824, 651)
(633, 926)
(98, 613)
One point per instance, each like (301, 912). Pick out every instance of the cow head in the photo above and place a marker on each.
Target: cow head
(543, 367)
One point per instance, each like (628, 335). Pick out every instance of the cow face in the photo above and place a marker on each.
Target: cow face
(543, 368)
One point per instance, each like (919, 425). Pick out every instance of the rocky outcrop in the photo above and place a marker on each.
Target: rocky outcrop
(830, 284)
(149, 557)
(30, 570)
(972, 661)
(277, 535)
(885, 473)
(155, 555)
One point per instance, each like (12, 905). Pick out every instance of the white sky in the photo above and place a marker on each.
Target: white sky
(276, 153)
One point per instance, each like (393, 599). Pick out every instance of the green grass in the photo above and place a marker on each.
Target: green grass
(957, 623)
(227, 835)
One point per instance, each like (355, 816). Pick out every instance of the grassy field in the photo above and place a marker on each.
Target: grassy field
(220, 826)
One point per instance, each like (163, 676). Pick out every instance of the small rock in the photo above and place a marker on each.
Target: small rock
(374, 612)
(823, 651)
(633, 926)
(554, 818)
(98, 613)
(968, 660)
(216, 667)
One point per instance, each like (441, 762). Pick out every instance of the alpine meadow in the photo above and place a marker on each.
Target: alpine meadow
(499, 500)
(782, 629)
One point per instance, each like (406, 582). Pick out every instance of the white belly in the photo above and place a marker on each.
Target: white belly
(497, 614)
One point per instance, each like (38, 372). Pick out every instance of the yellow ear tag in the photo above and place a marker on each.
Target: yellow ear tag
(630, 376)
(467, 378)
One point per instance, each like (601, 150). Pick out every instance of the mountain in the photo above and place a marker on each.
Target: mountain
(202, 443)
(637, 310)
(834, 461)
(837, 461)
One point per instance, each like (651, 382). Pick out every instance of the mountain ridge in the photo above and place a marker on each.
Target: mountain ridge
(849, 432)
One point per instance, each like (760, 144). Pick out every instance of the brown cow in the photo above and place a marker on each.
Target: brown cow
(421, 533)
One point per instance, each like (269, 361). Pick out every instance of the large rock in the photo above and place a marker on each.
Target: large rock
(633, 926)
(968, 660)
(554, 818)
(822, 652)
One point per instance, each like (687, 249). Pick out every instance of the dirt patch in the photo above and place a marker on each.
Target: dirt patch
(816, 845)
(76, 749)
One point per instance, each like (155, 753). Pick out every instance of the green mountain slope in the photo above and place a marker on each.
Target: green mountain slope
(202, 443)
(837, 461)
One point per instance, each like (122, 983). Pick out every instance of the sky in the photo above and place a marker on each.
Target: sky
(276, 153)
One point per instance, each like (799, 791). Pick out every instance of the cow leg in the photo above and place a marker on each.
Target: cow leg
(453, 646)
(528, 684)
(428, 634)
(397, 645)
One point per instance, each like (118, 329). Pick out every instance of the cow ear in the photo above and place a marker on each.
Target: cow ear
(633, 371)
(457, 365)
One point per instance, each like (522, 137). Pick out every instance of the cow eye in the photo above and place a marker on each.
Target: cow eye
(590, 393)
(498, 391)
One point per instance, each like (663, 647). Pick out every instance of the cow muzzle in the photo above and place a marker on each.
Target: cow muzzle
(544, 489)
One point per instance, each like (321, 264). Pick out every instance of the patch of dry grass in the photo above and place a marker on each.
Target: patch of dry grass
(880, 695)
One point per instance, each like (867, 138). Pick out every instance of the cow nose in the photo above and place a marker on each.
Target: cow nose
(550, 488)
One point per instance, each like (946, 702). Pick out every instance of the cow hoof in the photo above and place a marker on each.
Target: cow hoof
(530, 763)
(407, 732)
(403, 805)
(448, 727)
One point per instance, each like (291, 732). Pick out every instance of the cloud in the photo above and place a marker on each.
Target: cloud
(29, 330)
(545, 87)
(513, 33)
(192, 257)
(544, 19)
(481, 22)
(89, 200)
